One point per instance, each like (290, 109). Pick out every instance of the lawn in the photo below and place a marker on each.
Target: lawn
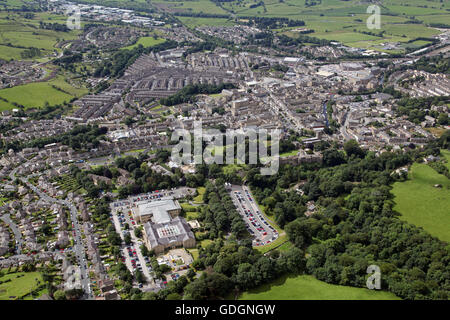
(146, 42)
(423, 205)
(307, 287)
(199, 198)
(18, 286)
(289, 153)
(194, 253)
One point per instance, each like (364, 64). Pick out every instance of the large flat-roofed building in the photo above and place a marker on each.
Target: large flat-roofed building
(172, 234)
(160, 211)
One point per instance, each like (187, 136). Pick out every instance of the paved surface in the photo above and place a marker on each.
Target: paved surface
(252, 216)
(17, 234)
(120, 216)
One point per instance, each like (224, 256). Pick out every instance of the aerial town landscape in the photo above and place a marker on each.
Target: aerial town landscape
(94, 204)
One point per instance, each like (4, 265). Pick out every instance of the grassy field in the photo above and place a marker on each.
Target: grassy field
(38, 93)
(18, 286)
(337, 20)
(18, 33)
(423, 205)
(307, 287)
(146, 42)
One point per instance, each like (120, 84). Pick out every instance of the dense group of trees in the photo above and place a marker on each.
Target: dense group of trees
(220, 216)
(233, 266)
(288, 41)
(146, 179)
(417, 108)
(355, 225)
(188, 93)
(433, 64)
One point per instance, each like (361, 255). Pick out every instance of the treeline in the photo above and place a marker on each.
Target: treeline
(288, 41)
(30, 53)
(80, 137)
(122, 59)
(53, 26)
(234, 266)
(68, 58)
(272, 23)
(434, 64)
(188, 93)
(220, 215)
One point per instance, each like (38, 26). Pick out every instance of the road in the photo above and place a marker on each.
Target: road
(78, 247)
(343, 128)
(252, 216)
(17, 234)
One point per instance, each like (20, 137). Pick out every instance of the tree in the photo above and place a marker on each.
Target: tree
(127, 239)
(59, 295)
(333, 157)
(173, 296)
(140, 277)
(352, 147)
(138, 232)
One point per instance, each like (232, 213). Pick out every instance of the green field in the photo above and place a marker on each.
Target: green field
(337, 20)
(423, 205)
(18, 286)
(38, 93)
(18, 33)
(146, 42)
(307, 287)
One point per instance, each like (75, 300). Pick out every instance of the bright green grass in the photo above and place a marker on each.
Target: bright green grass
(205, 243)
(17, 31)
(289, 153)
(307, 287)
(146, 42)
(446, 154)
(18, 286)
(194, 253)
(199, 198)
(423, 205)
(37, 93)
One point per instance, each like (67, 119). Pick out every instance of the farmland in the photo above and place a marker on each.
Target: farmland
(422, 204)
(55, 91)
(18, 33)
(307, 287)
(343, 21)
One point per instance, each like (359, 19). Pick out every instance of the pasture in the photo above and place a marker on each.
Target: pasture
(36, 94)
(306, 287)
(422, 204)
